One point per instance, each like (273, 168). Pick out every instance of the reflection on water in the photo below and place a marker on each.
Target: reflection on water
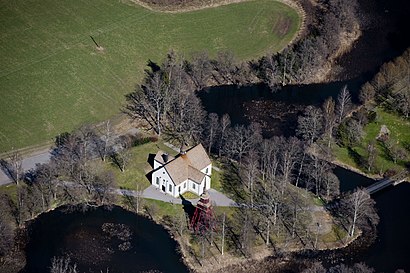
(99, 239)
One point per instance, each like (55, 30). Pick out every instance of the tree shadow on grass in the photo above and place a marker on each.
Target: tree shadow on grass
(357, 158)
(231, 182)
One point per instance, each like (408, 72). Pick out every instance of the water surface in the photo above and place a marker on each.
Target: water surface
(88, 238)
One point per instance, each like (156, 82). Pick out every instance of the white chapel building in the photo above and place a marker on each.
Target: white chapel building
(188, 171)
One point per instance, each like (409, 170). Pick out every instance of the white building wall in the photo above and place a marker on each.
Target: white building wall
(208, 172)
(157, 164)
(164, 180)
(165, 183)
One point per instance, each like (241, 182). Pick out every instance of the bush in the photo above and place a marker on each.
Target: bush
(372, 116)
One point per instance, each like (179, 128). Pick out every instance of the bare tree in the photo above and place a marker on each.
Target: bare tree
(371, 155)
(331, 185)
(149, 102)
(402, 101)
(310, 125)
(250, 173)
(242, 139)
(122, 158)
(225, 64)
(185, 118)
(268, 204)
(223, 234)
(272, 70)
(356, 268)
(361, 208)
(6, 237)
(103, 183)
(105, 141)
(63, 265)
(212, 130)
(123, 154)
(13, 166)
(329, 119)
(246, 235)
(394, 151)
(200, 69)
(344, 104)
(367, 93)
(225, 122)
(291, 150)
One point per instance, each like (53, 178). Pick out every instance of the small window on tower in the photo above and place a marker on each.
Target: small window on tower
(157, 180)
(170, 188)
(193, 186)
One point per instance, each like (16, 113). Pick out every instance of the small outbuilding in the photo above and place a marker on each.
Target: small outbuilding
(190, 171)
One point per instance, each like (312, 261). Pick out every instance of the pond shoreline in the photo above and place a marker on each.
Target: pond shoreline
(186, 258)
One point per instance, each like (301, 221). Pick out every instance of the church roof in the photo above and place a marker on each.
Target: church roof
(161, 156)
(188, 165)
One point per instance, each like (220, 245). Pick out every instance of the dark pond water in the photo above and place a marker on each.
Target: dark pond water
(391, 250)
(276, 111)
(94, 240)
(82, 236)
(386, 36)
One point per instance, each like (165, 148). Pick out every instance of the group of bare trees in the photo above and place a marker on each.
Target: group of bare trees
(389, 90)
(329, 121)
(71, 176)
(302, 60)
(390, 87)
(265, 172)
(166, 100)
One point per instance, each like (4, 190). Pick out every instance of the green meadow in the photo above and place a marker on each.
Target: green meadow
(53, 78)
(399, 132)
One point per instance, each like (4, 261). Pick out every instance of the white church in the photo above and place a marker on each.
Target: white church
(188, 171)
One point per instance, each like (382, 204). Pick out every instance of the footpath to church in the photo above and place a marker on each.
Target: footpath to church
(217, 198)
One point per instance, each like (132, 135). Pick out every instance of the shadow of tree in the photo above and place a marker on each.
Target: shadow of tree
(8, 170)
(357, 158)
(188, 208)
(231, 182)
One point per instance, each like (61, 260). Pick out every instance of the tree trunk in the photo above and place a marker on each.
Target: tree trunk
(267, 231)
(223, 235)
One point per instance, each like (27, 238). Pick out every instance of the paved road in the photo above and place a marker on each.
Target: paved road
(28, 163)
(217, 198)
(42, 156)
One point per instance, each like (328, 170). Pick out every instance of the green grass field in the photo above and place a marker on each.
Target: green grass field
(399, 131)
(52, 77)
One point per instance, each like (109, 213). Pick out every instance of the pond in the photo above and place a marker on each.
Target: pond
(100, 239)
(391, 249)
(385, 37)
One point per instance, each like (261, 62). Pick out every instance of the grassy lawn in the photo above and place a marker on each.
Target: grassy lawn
(399, 131)
(189, 195)
(53, 78)
(216, 178)
(10, 190)
(134, 176)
